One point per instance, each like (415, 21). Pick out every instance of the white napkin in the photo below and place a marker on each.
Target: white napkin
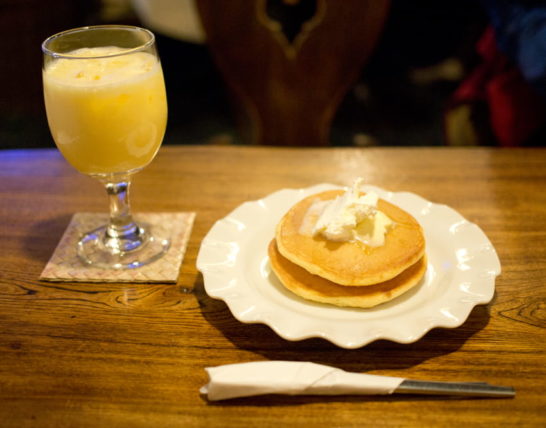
(292, 378)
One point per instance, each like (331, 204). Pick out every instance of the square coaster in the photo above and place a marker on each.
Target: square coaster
(65, 265)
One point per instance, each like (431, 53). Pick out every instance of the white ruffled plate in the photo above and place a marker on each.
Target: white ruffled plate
(461, 272)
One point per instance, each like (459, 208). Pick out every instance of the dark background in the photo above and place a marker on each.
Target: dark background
(389, 105)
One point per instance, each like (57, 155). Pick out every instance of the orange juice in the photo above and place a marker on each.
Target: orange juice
(107, 114)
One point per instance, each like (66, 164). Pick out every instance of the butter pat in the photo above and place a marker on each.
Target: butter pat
(352, 217)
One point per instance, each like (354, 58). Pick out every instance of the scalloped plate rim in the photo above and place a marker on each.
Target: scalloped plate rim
(225, 278)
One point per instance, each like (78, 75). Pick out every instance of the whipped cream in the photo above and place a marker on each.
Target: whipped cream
(351, 217)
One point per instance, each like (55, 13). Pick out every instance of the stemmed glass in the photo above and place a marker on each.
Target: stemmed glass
(107, 112)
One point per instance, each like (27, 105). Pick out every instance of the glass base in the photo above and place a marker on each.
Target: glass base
(95, 249)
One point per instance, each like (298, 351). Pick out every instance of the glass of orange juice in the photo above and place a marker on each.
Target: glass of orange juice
(107, 112)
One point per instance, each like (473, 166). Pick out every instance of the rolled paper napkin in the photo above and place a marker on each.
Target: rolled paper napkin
(303, 378)
(292, 378)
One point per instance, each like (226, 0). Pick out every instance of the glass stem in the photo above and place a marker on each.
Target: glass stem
(122, 233)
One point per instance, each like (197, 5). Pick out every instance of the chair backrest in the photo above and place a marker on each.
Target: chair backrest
(289, 63)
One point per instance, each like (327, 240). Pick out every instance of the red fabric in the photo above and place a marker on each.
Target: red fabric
(515, 110)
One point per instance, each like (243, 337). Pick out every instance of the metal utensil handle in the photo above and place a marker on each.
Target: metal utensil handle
(469, 389)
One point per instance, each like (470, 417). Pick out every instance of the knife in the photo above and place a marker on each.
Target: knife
(469, 389)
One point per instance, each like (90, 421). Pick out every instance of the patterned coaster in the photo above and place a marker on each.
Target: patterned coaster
(65, 265)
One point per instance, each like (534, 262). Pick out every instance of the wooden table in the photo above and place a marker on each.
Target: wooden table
(125, 355)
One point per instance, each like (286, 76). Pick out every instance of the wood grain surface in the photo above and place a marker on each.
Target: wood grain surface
(123, 355)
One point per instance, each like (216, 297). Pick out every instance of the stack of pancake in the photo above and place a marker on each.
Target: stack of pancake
(350, 273)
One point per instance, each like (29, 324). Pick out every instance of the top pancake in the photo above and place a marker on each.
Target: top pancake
(351, 263)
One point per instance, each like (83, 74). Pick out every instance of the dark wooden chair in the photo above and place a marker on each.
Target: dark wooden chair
(289, 63)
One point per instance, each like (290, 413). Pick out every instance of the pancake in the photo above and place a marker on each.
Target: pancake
(351, 263)
(315, 288)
